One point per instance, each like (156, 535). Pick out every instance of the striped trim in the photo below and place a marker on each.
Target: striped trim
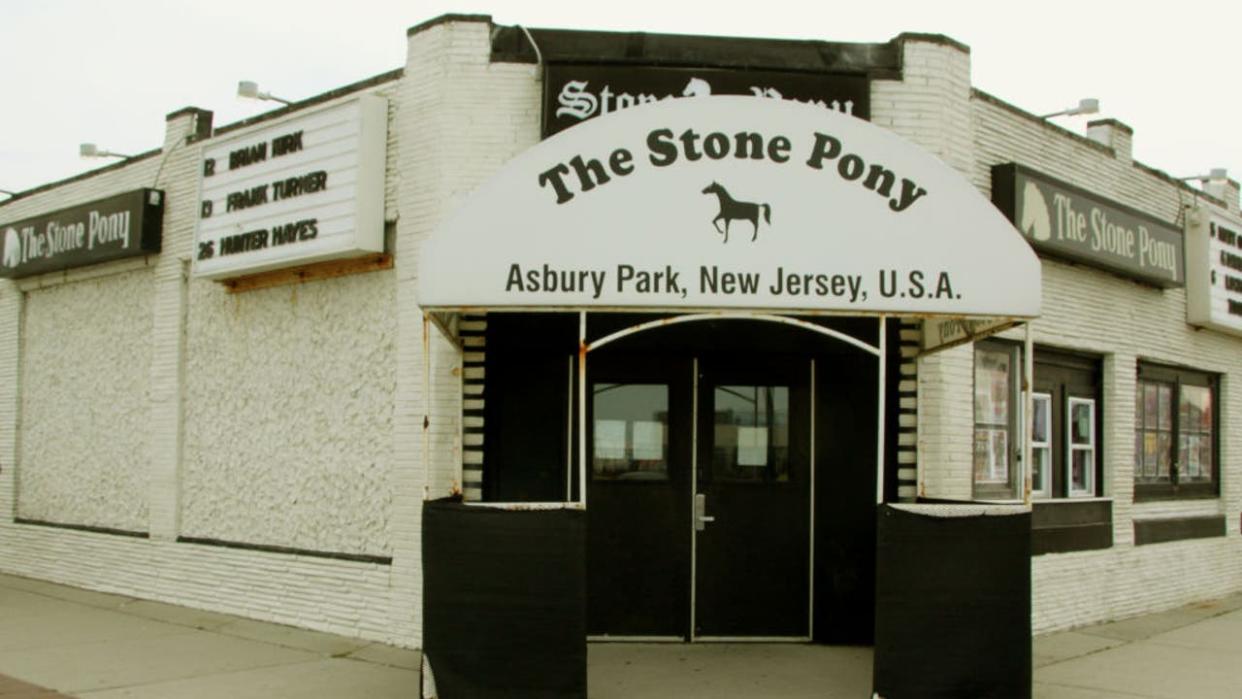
(473, 332)
(911, 334)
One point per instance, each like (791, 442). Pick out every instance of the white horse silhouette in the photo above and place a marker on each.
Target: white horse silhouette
(1035, 220)
(12, 248)
(697, 87)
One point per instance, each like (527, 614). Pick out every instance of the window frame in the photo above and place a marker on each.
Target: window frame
(1014, 424)
(1070, 447)
(1069, 376)
(1174, 489)
(1044, 493)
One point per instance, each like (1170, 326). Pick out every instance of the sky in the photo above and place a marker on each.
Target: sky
(74, 71)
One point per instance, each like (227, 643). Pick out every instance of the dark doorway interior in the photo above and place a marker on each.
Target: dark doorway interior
(754, 469)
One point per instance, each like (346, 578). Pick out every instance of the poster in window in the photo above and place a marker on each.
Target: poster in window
(992, 387)
(610, 439)
(648, 442)
(1042, 457)
(1196, 406)
(1080, 425)
(752, 446)
(1151, 406)
(1151, 452)
(1165, 454)
(991, 455)
(1166, 407)
(1190, 455)
(999, 455)
(1080, 469)
(1039, 420)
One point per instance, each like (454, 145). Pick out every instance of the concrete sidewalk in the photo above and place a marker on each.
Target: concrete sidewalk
(58, 641)
(101, 646)
(1193, 651)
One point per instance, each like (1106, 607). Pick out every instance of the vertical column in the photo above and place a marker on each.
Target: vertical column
(930, 106)
(473, 329)
(11, 299)
(1120, 371)
(908, 481)
(178, 177)
(460, 117)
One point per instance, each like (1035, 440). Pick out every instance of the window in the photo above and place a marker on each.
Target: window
(1065, 425)
(1081, 445)
(996, 447)
(1041, 445)
(630, 437)
(751, 435)
(1175, 433)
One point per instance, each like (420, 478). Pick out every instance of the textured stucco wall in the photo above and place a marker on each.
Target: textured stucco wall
(85, 368)
(289, 412)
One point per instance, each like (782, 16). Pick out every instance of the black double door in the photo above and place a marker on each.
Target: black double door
(699, 497)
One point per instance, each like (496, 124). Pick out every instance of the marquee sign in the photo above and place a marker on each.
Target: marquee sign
(125, 225)
(730, 203)
(1068, 222)
(305, 189)
(574, 93)
(1214, 271)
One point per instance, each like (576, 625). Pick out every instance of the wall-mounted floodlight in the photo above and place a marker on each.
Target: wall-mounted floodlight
(90, 150)
(250, 89)
(1216, 174)
(1087, 105)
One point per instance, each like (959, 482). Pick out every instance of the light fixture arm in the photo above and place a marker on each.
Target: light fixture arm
(250, 90)
(1216, 174)
(1086, 105)
(90, 150)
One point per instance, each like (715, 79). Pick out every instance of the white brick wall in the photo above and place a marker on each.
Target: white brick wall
(1093, 311)
(465, 117)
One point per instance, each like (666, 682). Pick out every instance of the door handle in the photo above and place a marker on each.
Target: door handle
(701, 518)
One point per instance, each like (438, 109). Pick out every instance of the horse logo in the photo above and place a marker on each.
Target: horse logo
(1035, 219)
(697, 87)
(12, 248)
(733, 210)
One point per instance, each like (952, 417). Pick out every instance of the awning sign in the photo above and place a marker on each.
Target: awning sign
(730, 203)
(120, 226)
(1065, 221)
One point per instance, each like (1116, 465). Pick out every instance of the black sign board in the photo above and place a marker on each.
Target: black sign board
(574, 93)
(1064, 221)
(125, 225)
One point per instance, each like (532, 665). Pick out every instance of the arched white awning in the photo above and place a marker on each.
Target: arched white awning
(823, 213)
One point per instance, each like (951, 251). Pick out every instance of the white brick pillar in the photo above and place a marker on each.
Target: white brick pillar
(931, 106)
(460, 118)
(10, 386)
(1120, 370)
(177, 176)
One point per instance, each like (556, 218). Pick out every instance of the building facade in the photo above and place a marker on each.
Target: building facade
(248, 417)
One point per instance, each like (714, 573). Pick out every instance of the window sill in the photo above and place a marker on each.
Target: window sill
(1063, 501)
(1140, 498)
(1162, 530)
(1064, 525)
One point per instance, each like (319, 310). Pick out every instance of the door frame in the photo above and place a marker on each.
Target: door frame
(879, 350)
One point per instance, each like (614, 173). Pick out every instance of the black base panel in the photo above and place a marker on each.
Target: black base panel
(953, 606)
(504, 603)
